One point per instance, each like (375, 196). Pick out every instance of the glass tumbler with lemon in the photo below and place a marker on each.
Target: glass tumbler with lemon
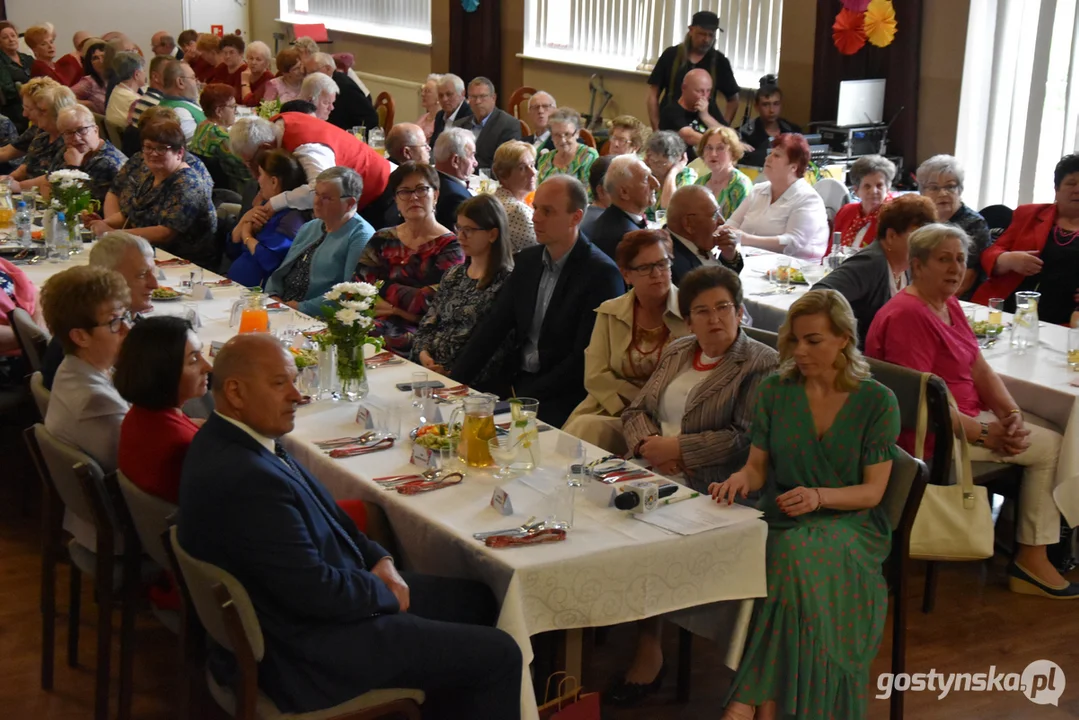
(524, 432)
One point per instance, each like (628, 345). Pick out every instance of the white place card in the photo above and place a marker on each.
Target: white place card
(500, 501)
(363, 417)
(161, 274)
(200, 291)
(599, 494)
(424, 457)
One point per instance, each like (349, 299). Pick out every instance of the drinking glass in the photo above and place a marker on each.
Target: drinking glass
(190, 313)
(503, 451)
(525, 432)
(562, 500)
(420, 391)
(1073, 348)
(1025, 321)
(783, 274)
(575, 474)
(996, 317)
(386, 420)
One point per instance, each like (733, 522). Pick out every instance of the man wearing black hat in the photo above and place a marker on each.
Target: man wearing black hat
(665, 82)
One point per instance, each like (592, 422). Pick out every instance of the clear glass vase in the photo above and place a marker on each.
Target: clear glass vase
(351, 372)
(327, 372)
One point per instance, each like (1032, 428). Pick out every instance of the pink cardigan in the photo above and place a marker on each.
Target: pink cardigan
(25, 294)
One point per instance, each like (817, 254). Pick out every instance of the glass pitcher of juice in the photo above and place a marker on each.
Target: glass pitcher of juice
(253, 315)
(477, 427)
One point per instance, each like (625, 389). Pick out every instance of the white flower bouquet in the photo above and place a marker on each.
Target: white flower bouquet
(350, 315)
(71, 195)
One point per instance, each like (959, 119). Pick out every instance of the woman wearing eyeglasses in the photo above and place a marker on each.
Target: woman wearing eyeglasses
(692, 417)
(570, 157)
(85, 150)
(325, 249)
(628, 338)
(409, 259)
(467, 291)
(211, 138)
(163, 199)
(940, 178)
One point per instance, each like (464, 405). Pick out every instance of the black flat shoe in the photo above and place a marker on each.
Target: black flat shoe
(627, 694)
(1022, 582)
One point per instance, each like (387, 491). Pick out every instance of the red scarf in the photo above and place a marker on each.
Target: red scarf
(851, 233)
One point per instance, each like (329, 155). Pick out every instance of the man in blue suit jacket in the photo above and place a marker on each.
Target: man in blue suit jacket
(337, 617)
(550, 300)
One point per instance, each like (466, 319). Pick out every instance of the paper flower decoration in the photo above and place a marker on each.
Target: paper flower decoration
(880, 23)
(857, 6)
(848, 31)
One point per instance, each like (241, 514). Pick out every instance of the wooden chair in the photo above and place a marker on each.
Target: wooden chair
(526, 131)
(605, 148)
(520, 97)
(225, 611)
(587, 138)
(73, 481)
(385, 108)
(32, 338)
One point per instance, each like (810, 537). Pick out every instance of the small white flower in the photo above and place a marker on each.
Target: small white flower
(333, 294)
(357, 305)
(365, 322)
(347, 316)
(366, 289)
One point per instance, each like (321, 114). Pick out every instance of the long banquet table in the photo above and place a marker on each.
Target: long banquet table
(611, 569)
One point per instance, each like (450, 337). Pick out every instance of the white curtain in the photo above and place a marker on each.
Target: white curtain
(1019, 104)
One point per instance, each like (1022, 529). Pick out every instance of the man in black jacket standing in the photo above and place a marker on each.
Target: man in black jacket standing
(549, 303)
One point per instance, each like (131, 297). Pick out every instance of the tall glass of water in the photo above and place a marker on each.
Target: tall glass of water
(1025, 322)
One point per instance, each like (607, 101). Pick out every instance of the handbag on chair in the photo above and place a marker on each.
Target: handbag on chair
(954, 522)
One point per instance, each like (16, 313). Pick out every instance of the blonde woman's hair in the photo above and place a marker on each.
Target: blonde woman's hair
(508, 156)
(850, 363)
(33, 86)
(55, 99)
(730, 139)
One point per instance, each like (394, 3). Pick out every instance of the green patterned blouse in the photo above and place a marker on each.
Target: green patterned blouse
(730, 197)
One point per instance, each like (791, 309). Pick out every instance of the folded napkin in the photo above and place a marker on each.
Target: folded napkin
(353, 450)
(172, 262)
(543, 536)
(415, 488)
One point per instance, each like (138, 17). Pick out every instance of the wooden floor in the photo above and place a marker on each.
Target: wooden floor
(977, 623)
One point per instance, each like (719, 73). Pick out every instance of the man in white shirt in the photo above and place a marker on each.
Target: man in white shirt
(540, 107)
(692, 219)
(451, 98)
(130, 71)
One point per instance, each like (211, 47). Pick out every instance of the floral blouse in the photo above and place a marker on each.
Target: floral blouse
(90, 90)
(730, 197)
(44, 155)
(687, 176)
(136, 165)
(181, 203)
(458, 307)
(102, 166)
(578, 167)
(410, 279)
(519, 230)
(8, 132)
(212, 141)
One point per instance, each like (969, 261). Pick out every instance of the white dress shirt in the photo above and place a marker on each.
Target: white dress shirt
(313, 158)
(673, 398)
(797, 218)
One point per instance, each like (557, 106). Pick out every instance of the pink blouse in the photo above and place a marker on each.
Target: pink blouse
(276, 89)
(906, 332)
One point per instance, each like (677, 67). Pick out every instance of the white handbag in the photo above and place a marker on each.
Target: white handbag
(954, 522)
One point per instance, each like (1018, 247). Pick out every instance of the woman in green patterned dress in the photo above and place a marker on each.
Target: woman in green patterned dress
(720, 149)
(827, 433)
(570, 156)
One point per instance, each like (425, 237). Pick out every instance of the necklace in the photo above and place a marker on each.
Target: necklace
(1059, 232)
(699, 364)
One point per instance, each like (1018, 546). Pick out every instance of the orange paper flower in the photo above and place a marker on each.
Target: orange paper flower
(848, 31)
(880, 23)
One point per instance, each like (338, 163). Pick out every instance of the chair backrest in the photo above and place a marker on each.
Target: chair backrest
(517, 106)
(384, 106)
(32, 338)
(315, 31)
(60, 460)
(998, 218)
(203, 580)
(115, 133)
(834, 194)
(102, 128)
(906, 384)
(587, 138)
(150, 516)
(906, 484)
(605, 148)
(40, 392)
(767, 337)
(526, 131)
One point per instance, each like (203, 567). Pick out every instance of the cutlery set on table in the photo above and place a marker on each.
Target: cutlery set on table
(530, 532)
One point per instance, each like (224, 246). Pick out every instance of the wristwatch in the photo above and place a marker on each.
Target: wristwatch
(980, 441)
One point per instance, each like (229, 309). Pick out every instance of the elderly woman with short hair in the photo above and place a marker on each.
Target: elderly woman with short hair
(209, 56)
(14, 71)
(90, 90)
(41, 39)
(871, 176)
(1037, 252)
(429, 103)
(408, 259)
(163, 199)
(326, 249)
(46, 150)
(627, 135)
(253, 80)
(924, 328)
(514, 166)
(720, 149)
(821, 450)
(570, 156)
(940, 178)
(693, 416)
(17, 147)
(665, 156)
(286, 86)
(321, 91)
(630, 334)
(84, 149)
(211, 138)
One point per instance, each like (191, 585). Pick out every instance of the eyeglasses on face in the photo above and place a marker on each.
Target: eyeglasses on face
(951, 189)
(468, 232)
(78, 132)
(155, 149)
(418, 191)
(706, 313)
(475, 98)
(114, 324)
(652, 268)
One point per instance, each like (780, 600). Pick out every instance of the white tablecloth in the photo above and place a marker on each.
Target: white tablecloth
(611, 569)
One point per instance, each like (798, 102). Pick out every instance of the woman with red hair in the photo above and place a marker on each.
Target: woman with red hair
(784, 214)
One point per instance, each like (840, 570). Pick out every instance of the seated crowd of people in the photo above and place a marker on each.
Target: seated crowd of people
(606, 286)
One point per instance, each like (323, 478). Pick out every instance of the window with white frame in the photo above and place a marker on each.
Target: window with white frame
(631, 34)
(404, 20)
(1019, 103)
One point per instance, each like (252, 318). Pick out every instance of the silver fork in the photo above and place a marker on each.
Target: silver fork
(524, 527)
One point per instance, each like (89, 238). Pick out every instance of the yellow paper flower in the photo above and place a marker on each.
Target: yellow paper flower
(880, 23)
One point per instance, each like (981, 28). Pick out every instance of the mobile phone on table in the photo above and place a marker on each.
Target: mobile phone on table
(407, 386)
